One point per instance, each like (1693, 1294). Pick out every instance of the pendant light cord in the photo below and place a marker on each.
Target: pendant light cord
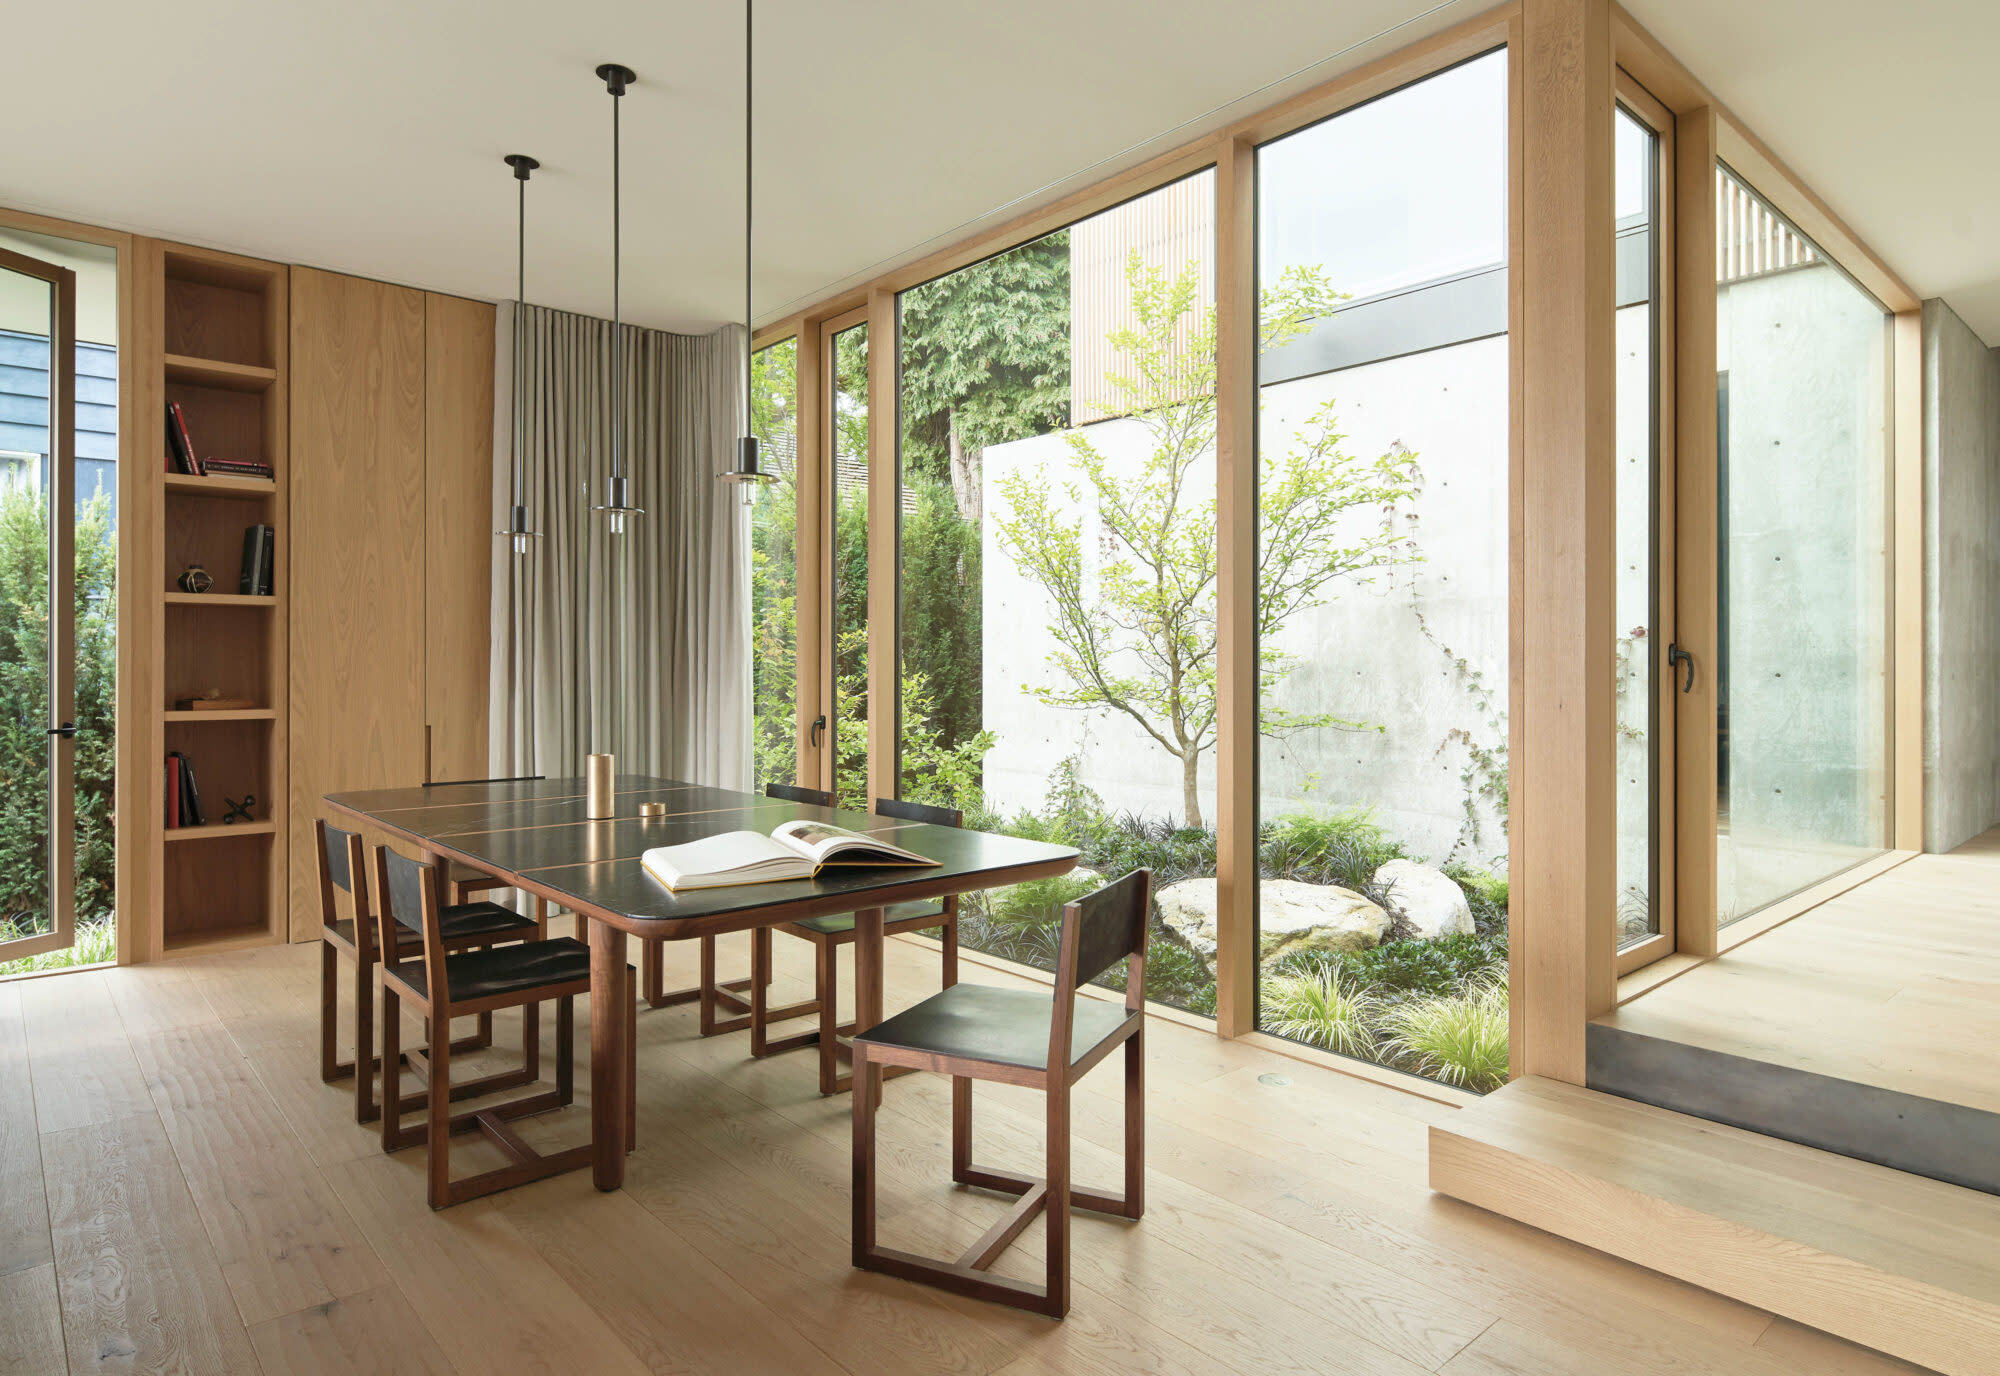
(617, 327)
(520, 304)
(749, 164)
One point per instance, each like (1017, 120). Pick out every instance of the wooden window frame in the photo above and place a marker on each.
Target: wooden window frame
(1569, 60)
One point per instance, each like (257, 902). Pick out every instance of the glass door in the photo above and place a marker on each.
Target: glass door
(845, 351)
(1650, 668)
(37, 609)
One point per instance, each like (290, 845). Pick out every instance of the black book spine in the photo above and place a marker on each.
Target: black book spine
(255, 574)
(270, 560)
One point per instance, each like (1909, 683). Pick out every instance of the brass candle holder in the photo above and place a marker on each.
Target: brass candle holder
(600, 797)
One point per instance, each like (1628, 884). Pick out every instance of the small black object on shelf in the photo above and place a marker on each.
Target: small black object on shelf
(238, 812)
(195, 578)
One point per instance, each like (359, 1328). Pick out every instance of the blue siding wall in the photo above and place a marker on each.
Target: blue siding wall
(24, 409)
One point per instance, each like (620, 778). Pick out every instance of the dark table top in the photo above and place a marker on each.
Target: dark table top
(534, 833)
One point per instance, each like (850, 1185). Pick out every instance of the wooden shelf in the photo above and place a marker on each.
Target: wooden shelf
(211, 372)
(218, 485)
(211, 939)
(215, 831)
(226, 714)
(225, 599)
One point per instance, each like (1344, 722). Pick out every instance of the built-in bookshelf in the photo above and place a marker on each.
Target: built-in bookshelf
(213, 339)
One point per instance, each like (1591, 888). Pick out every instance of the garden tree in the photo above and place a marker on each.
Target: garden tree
(24, 708)
(1136, 633)
(984, 359)
(774, 566)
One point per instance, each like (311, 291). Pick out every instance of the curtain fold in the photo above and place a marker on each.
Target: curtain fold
(637, 643)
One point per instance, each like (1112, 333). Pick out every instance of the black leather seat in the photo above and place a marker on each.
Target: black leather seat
(1004, 1026)
(458, 923)
(477, 975)
(836, 923)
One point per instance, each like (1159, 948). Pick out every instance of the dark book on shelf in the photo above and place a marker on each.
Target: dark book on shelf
(239, 468)
(180, 443)
(191, 814)
(257, 548)
(266, 586)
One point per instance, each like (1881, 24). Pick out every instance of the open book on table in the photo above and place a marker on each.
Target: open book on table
(796, 850)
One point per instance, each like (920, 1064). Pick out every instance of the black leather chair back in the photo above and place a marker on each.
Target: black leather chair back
(919, 812)
(1109, 925)
(792, 793)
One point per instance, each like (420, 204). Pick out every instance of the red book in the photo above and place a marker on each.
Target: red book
(189, 458)
(173, 791)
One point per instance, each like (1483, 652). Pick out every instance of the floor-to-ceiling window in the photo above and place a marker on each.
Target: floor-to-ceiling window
(1642, 719)
(1383, 463)
(1057, 566)
(774, 564)
(1803, 360)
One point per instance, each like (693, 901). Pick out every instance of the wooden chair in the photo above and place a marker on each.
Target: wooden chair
(463, 927)
(443, 986)
(734, 995)
(1021, 1037)
(828, 935)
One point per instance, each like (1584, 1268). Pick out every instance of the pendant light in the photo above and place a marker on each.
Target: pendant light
(618, 494)
(745, 469)
(517, 530)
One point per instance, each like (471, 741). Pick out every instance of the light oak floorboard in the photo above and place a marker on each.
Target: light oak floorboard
(140, 1288)
(31, 1336)
(83, 1065)
(374, 1333)
(24, 1211)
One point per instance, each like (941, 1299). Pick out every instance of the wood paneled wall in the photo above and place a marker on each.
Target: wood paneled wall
(357, 663)
(458, 538)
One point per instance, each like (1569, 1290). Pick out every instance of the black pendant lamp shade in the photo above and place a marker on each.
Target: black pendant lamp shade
(618, 494)
(745, 469)
(518, 532)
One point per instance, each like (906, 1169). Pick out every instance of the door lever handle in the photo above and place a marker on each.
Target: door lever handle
(818, 727)
(1678, 659)
(67, 730)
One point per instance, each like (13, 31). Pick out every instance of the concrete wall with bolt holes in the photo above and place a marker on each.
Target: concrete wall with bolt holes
(1961, 581)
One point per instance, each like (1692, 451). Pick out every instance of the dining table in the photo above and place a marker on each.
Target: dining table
(533, 835)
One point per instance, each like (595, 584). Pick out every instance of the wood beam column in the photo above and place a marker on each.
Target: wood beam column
(1563, 814)
(1236, 588)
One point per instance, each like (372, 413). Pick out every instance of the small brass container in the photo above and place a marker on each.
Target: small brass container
(600, 798)
(652, 809)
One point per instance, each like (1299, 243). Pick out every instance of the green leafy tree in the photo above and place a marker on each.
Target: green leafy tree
(24, 708)
(774, 565)
(984, 359)
(1136, 634)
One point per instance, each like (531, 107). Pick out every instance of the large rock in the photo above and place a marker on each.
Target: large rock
(1429, 900)
(1293, 917)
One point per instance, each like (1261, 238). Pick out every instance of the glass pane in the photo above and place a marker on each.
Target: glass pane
(1382, 580)
(1057, 461)
(1637, 425)
(774, 564)
(27, 427)
(850, 566)
(1802, 467)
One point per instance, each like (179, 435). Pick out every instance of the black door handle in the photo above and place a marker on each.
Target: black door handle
(67, 730)
(818, 726)
(1677, 658)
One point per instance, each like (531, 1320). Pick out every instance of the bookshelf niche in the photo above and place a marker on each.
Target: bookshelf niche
(221, 360)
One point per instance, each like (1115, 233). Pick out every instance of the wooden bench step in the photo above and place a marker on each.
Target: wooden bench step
(1904, 1264)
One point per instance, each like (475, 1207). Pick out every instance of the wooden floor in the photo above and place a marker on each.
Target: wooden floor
(179, 1192)
(1895, 983)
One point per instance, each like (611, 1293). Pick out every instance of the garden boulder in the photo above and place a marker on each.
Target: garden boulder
(1429, 900)
(1294, 917)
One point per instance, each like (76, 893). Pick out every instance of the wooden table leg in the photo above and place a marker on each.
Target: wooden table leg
(610, 994)
(868, 958)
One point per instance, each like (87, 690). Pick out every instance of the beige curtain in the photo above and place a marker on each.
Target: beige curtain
(637, 643)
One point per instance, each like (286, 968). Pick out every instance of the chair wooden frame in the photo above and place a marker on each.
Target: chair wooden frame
(441, 1124)
(1052, 1194)
(830, 1036)
(364, 950)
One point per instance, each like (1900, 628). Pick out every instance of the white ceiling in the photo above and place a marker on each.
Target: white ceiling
(367, 136)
